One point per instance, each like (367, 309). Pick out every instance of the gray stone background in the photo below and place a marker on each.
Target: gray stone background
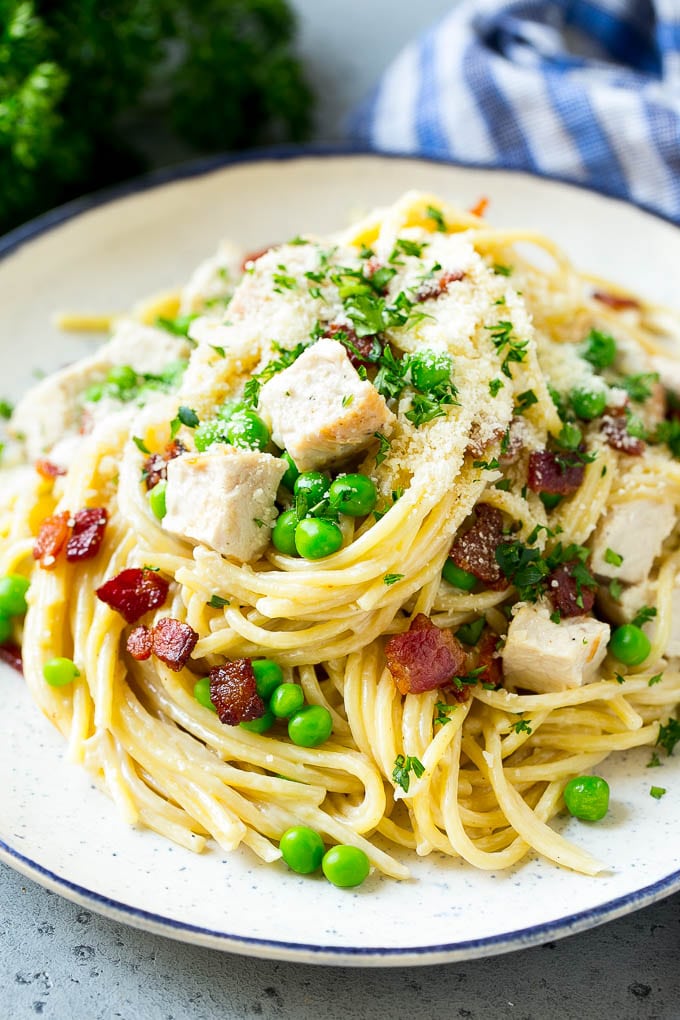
(59, 961)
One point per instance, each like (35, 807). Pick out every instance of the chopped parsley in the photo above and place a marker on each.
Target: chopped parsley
(217, 602)
(507, 345)
(5, 409)
(251, 390)
(427, 374)
(521, 726)
(403, 766)
(403, 246)
(185, 416)
(392, 578)
(437, 216)
(494, 386)
(282, 281)
(383, 449)
(525, 401)
(639, 387)
(140, 444)
(218, 350)
(470, 679)
(179, 326)
(654, 762)
(656, 679)
(615, 589)
(528, 569)
(501, 270)
(443, 715)
(614, 558)
(486, 465)
(668, 432)
(599, 349)
(669, 735)
(643, 616)
(657, 792)
(470, 633)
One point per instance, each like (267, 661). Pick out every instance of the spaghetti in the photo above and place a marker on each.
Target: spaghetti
(523, 410)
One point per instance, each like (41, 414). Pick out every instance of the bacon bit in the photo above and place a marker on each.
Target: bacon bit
(140, 643)
(557, 474)
(133, 592)
(478, 445)
(423, 658)
(233, 692)
(480, 207)
(48, 470)
(87, 535)
(10, 654)
(173, 642)
(614, 428)
(434, 289)
(564, 594)
(51, 539)
(616, 301)
(475, 551)
(369, 348)
(487, 657)
(155, 468)
(254, 256)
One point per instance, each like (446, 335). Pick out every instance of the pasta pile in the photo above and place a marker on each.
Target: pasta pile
(476, 767)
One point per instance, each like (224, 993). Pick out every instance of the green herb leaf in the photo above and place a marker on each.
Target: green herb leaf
(669, 735)
(656, 679)
(403, 766)
(217, 602)
(140, 444)
(614, 558)
(521, 726)
(643, 616)
(437, 215)
(384, 448)
(494, 386)
(525, 401)
(657, 792)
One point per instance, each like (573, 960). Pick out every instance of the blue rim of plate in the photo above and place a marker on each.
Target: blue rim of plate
(520, 938)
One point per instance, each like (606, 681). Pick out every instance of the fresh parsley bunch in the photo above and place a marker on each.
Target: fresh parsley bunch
(221, 74)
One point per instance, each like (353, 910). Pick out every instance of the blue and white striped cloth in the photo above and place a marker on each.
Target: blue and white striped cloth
(586, 90)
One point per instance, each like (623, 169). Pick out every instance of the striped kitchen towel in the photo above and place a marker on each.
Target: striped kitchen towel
(586, 90)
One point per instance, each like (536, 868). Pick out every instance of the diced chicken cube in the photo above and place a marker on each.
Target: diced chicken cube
(631, 600)
(320, 410)
(224, 499)
(634, 531)
(144, 348)
(543, 656)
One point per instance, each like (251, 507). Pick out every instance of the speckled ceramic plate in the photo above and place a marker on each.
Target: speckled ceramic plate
(57, 829)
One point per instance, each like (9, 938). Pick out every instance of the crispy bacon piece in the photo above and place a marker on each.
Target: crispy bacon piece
(133, 592)
(233, 692)
(475, 551)
(563, 592)
(615, 301)
(367, 349)
(155, 468)
(614, 428)
(253, 256)
(51, 538)
(173, 642)
(48, 470)
(10, 654)
(493, 664)
(87, 534)
(140, 643)
(480, 207)
(435, 288)
(557, 474)
(423, 658)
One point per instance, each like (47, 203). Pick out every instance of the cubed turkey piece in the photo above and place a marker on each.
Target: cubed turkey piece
(144, 348)
(636, 531)
(543, 656)
(224, 498)
(320, 410)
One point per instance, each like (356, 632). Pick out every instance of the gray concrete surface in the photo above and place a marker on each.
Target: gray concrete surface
(60, 962)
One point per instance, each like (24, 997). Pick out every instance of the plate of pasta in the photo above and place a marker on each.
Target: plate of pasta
(340, 558)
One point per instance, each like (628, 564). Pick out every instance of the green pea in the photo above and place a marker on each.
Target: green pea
(355, 495)
(208, 433)
(456, 577)
(587, 797)
(283, 533)
(202, 693)
(93, 394)
(261, 725)
(630, 644)
(310, 726)
(231, 407)
(430, 369)
(550, 499)
(302, 849)
(286, 700)
(122, 376)
(310, 488)
(345, 866)
(292, 474)
(13, 588)
(60, 671)
(588, 404)
(157, 500)
(5, 628)
(248, 431)
(316, 538)
(268, 676)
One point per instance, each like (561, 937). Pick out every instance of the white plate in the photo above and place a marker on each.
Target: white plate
(60, 831)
